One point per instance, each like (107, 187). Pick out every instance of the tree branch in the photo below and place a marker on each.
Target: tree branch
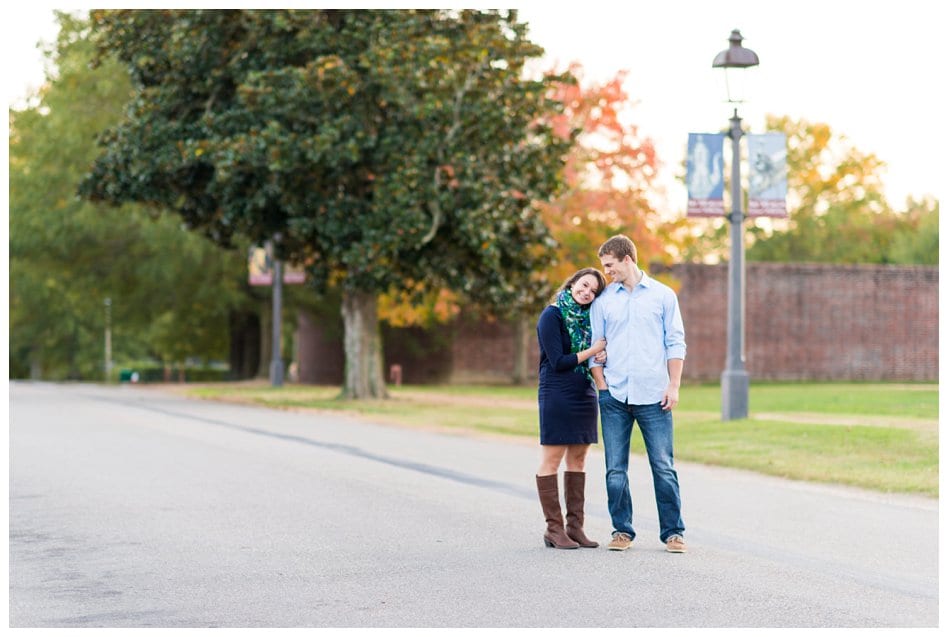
(432, 203)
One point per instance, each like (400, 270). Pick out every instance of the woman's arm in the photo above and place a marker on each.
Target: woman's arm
(594, 349)
(551, 332)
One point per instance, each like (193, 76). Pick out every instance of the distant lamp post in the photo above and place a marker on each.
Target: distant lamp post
(108, 338)
(735, 381)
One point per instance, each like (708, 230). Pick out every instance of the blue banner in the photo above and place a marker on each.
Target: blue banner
(767, 156)
(705, 177)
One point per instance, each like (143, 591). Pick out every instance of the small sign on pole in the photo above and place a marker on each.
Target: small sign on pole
(705, 176)
(260, 267)
(767, 194)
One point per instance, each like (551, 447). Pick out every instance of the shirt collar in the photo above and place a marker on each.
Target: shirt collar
(644, 282)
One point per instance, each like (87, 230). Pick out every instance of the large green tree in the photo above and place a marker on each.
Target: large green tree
(382, 149)
(169, 289)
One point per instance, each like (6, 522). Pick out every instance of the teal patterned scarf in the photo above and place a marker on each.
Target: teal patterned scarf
(576, 318)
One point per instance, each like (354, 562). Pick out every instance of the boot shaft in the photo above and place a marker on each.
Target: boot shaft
(548, 490)
(574, 487)
(555, 536)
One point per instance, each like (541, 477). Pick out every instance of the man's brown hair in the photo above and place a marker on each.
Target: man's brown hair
(619, 246)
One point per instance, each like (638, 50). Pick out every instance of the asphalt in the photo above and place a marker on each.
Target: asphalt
(136, 508)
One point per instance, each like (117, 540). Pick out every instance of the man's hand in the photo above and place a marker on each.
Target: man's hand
(670, 399)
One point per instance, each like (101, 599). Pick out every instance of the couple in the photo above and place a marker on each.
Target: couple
(637, 382)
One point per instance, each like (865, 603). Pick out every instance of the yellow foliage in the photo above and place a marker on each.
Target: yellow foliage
(418, 307)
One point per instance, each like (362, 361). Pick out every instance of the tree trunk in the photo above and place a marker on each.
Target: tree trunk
(36, 367)
(266, 339)
(73, 373)
(521, 348)
(363, 346)
(244, 344)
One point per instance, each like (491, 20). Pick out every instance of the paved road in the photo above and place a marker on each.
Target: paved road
(134, 507)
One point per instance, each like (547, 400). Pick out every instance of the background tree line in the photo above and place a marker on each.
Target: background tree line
(452, 234)
(838, 212)
(170, 290)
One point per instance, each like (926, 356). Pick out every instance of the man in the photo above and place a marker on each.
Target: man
(641, 322)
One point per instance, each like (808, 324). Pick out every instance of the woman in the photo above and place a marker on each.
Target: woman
(568, 406)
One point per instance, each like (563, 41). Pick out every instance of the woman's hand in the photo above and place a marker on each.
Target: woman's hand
(600, 357)
(596, 347)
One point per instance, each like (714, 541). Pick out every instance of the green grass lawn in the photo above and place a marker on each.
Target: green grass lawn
(875, 399)
(872, 435)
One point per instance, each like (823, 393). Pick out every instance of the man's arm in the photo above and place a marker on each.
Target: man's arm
(597, 325)
(674, 350)
(597, 328)
(670, 399)
(598, 378)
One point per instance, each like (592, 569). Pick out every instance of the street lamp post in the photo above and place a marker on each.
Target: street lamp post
(735, 381)
(276, 354)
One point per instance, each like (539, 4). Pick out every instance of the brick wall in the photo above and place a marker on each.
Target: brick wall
(816, 321)
(803, 321)
(319, 348)
(424, 355)
(483, 352)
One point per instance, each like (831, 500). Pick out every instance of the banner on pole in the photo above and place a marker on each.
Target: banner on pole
(260, 268)
(705, 176)
(767, 196)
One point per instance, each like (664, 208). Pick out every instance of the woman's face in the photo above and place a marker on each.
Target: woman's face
(585, 289)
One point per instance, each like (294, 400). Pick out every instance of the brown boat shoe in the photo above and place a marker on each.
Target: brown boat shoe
(675, 544)
(620, 541)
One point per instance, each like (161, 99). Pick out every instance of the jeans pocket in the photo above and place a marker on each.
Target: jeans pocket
(603, 393)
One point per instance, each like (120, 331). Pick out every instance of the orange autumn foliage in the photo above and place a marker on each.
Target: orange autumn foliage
(609, 177)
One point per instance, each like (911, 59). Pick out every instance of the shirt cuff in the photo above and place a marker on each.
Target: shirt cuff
(677, 351)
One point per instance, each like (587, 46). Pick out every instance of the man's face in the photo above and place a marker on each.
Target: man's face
(618, 270)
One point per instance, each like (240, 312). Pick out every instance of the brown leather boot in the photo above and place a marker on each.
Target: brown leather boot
(549, 493)
(574, 484)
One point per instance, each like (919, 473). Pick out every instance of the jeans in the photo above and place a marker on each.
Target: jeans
(655, 424)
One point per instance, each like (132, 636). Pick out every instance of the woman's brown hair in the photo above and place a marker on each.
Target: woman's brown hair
(568, 284)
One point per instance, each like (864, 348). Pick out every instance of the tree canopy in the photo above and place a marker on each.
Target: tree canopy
(381, 149)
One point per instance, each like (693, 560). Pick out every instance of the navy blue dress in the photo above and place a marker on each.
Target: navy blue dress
(569, 409)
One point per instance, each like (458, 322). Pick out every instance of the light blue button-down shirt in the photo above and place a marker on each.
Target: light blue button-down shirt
(643, 330)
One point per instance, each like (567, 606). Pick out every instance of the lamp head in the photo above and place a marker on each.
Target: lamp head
(733, 60)
(735, 56)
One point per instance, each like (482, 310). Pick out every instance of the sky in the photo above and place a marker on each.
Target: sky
(863, 68)
(866, 69)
